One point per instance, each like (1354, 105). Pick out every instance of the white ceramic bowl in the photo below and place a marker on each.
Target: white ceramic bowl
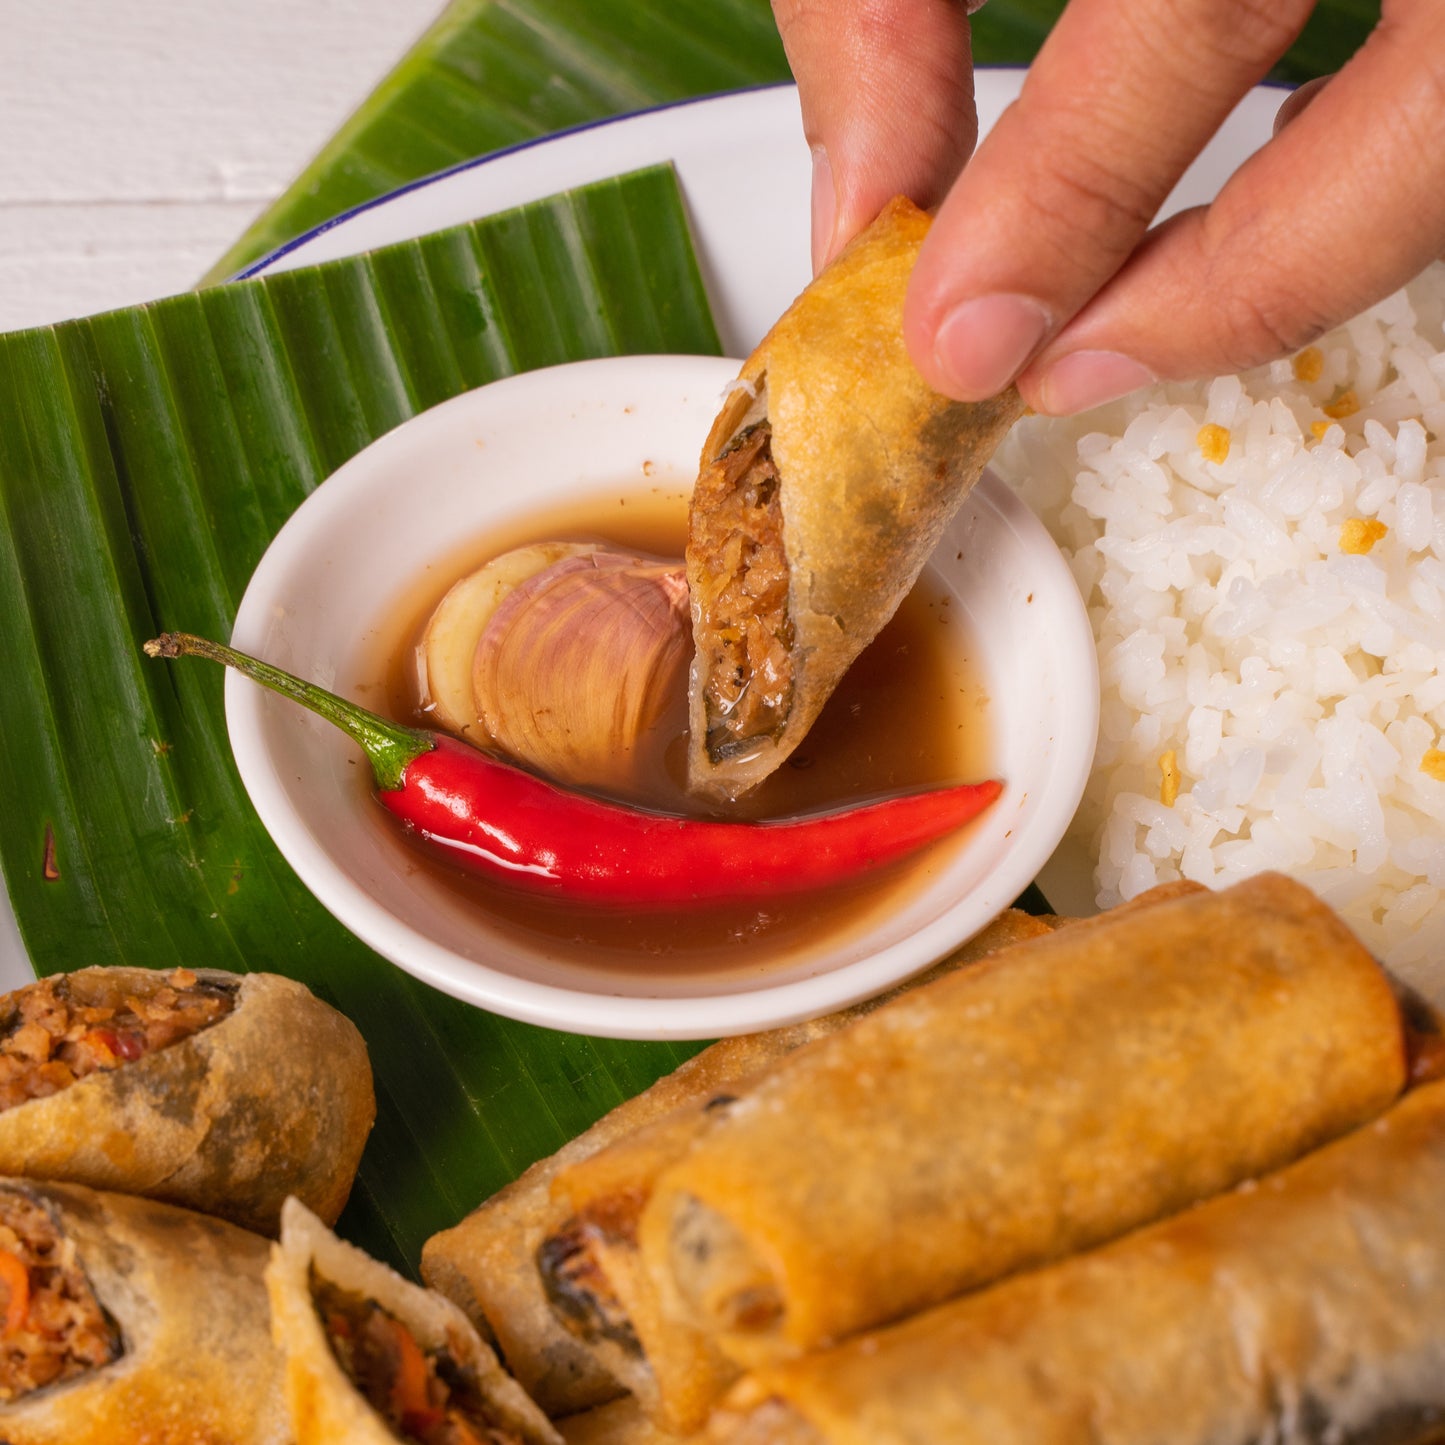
(477, 466)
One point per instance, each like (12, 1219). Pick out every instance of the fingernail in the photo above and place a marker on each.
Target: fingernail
(1090, 378)
(983, 344)
(825, 208)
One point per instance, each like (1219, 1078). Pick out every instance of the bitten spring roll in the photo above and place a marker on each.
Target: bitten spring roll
(217, 1091)
(371, 1358)
(129, 1322)
(826, 481)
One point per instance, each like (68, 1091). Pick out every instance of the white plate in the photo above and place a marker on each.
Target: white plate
(324, 604)
(745, 175)
(747, 144)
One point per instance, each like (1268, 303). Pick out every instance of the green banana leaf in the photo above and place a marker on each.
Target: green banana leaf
(147, 457)
(491, 73)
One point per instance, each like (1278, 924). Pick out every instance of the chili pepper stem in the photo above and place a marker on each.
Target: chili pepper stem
(389, 747)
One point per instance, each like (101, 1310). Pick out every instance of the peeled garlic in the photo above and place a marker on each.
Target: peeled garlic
(579, 661)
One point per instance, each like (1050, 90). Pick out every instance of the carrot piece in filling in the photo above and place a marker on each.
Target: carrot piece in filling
(16, 1279)
(423, 1395)
(55, 1328)
(410, 1395)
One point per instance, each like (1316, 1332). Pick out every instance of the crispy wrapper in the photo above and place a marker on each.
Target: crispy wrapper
(274, 1099)
(621, 1422)
(487, 1262)
(326, 1408)
(1055, 1096)
(871, 466)
(1309, 1306)
(187, 1292)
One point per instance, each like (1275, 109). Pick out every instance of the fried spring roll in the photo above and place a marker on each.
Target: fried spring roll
(129, 1322)
(1066, 1091)
(487, 1264)
(371, 1358)
(826, 481)
(217, 1091)
(621, 1422)
(1309, 1306)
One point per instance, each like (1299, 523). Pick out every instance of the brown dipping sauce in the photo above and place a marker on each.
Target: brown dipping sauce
(910, 714)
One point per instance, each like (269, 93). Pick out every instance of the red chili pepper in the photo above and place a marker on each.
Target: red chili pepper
(516, 828)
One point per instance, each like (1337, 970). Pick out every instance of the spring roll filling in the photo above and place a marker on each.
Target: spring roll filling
(54, 1326)
(724, 1278)
(737, 526)
(52, 1034)
(578, 1289)
(424, 1395)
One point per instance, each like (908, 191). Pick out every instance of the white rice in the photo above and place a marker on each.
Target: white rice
(1300, 687)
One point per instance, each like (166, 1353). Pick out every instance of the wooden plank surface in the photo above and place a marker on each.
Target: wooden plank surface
(139, 137)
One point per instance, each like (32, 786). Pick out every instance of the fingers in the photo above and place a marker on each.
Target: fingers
(1342, 207)
(1120, 100)
(887, 94)
(1297, 100)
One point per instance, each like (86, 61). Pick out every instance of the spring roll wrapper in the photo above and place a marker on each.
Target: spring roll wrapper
(680, 1370)
(1307, 1306)
(274, 1099)
(1045, 1101)
(325, 1407)
(486, 1263)
(872, 465)
(619, 1422)
(187, 1292)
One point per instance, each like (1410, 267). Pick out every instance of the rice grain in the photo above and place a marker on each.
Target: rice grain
(1263, 561)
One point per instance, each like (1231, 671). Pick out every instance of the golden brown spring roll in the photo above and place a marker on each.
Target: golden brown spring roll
(1309, 1306)
(826, 481)
(620, 1422)
(636, 1324)
(486, 1264)
(1065, 1091)
(217, 1091)
(129, 1322)
(371, 1358)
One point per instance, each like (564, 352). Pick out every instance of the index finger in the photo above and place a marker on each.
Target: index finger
(1121, 99)
(1341, 208)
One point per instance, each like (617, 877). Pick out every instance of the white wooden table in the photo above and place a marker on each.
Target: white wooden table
(138, 138)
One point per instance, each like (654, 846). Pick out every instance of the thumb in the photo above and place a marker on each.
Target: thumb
(886, 88)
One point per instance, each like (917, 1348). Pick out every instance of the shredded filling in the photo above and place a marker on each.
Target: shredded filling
(742, 594)
(423, 1395)
(51, 1035)
(578, 1289)
(54, 1326)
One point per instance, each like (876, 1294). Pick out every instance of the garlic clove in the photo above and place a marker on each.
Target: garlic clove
(444, 656)
(580, 662)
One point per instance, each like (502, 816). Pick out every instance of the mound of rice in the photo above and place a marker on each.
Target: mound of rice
(1263, 558)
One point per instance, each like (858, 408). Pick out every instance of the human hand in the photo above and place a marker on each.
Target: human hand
(1041, 266)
